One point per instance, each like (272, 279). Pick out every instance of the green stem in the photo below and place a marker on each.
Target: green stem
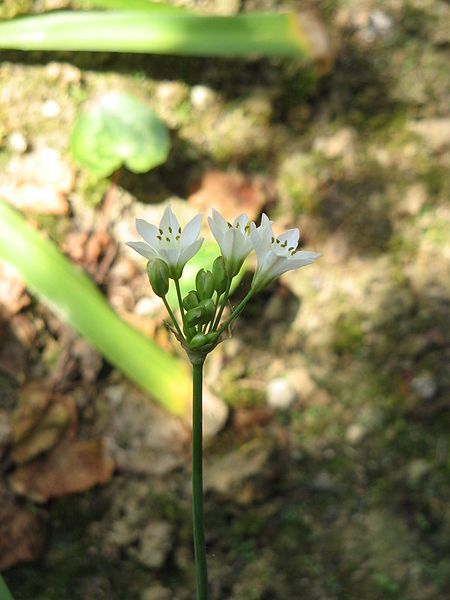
(236, 312)
(180, 300)
(5, 594)
(201, 569)
(222, 306)
(174, 319)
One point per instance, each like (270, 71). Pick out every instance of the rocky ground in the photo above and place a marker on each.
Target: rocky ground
(330, 476)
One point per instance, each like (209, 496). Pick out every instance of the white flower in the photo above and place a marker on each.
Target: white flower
(276, 255)
(168, 242)
(234, 240)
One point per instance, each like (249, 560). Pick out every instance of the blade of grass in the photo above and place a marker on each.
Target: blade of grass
(158, 32)
(71, 294)
(5, 594)
(134, 5)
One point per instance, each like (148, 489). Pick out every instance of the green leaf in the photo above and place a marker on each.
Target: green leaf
(161, 32)
(133, 5)
(77, 300)
(116, 129)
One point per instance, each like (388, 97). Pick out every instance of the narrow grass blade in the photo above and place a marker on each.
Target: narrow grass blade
(134, 5)
(72, 295)
(159, 33)
(5, 594)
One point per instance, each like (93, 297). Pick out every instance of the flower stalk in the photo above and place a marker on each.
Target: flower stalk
(202, 309)
(201, 569)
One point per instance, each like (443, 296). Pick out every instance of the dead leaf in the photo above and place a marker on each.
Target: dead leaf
(231, 193)
(71, 467)
(22, 535)
(39, 421)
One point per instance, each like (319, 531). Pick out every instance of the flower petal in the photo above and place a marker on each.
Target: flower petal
(147, 231)
(240, 222)
(191, 231)
(169, 220)
(216, 230)
(291, 236)
(219, 221)
(189, 251)
(170, 256)
(143, 249)
(227, 244)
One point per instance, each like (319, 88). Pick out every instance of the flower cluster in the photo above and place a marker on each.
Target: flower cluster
(169, 247)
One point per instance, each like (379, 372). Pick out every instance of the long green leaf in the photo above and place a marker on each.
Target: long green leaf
(134, 5)
(78, 301)
(5, 594)
(159, 33)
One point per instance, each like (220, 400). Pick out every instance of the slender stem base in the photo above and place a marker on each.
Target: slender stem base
(201, 569)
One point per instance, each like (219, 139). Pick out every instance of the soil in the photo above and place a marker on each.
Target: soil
(330, 478)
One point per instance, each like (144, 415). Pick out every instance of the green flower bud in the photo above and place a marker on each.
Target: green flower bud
(200, 339)
(194, 316)
(204, 282)
(220, 275)
(158, 274)
(191, 300)
(208, 309)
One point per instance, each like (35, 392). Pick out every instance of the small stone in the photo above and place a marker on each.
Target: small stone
(215, 414)
(434, 132)
(380, 23)
(50, 109)
(414, 200)
(148, 305)
(425, 386)
(156, 592)
(202, 97)
(171, 93)
(417, 469)
(340, 144)
(323, 482)
(280, 393)
(355, 433)
(17, 142)
(155, 544)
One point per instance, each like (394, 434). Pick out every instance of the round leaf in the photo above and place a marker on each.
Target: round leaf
(116, 129)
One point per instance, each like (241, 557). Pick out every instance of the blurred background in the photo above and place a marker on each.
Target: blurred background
(327, 412)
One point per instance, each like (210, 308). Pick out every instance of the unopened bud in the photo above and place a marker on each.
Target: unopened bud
(208, 308)
(204, 282)
(158, 274)
(194, 316)
(191, 300)
(220, 275)
(200, 339)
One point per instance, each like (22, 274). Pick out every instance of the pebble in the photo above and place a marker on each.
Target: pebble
(156, 592)
(425, 386)
(280, 393)
(215, 414)
(147, 305)
(355, 433)
(155, 544)
(50, 109)
(17, 142)
(202, 97)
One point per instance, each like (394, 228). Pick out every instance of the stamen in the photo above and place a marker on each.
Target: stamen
(273, 239)
(159, 236)
(168, 239)
(161, 231)
(284, 244)
(170, 229)
(179, 230)
(291, 248)
(178, 237)
(230, 225)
